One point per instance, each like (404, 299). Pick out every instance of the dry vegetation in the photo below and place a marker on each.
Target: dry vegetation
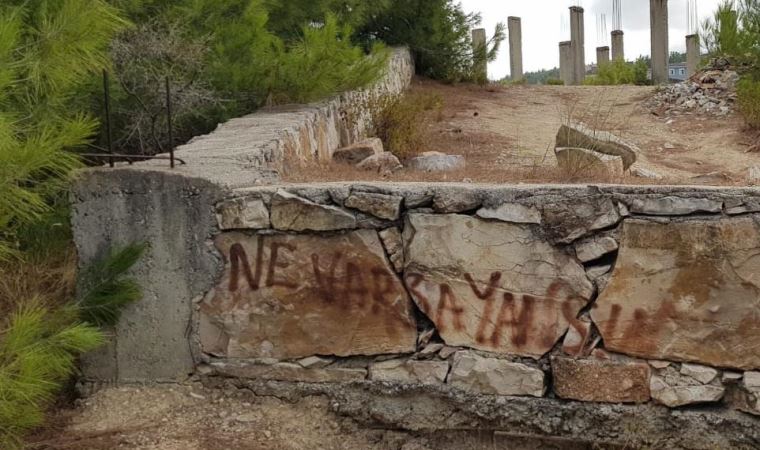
(506, 134)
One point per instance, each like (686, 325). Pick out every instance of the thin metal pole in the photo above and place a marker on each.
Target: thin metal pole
(169, 121)
(107, 95)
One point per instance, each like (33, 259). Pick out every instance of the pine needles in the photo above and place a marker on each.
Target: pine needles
(107, 291)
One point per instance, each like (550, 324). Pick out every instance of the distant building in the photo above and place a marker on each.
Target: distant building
(677, 72)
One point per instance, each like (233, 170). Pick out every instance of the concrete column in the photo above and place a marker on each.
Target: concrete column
(479, 51)
(658, 17)
(578, 39)
(566, 62)
(618, 45)
(693, 55)
(602, 56)
(515, 48)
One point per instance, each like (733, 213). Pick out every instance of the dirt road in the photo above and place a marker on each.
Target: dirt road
(507, 135)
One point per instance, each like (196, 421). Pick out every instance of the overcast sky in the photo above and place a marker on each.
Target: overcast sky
(546, 22)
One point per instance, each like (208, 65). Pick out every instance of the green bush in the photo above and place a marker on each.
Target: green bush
(48, 50)
(734, 33)
(613, 73)
(748, 99)
(555, 82)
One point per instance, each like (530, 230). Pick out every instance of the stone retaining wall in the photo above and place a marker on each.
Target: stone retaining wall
(622, 315)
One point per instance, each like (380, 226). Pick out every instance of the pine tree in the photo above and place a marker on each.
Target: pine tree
(48, 48)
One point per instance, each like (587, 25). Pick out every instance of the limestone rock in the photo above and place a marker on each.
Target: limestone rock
(436, 162)
(293, 296)
(356, 153)
(512, 213)
(565, 222)
(593, 380)
(580, 135)
(456, 201)
(582, 162)
(315, 362)
(641, 172)
(703, 374)
(751, 380)
(394, 246)
(474, 373)
(385, 162)
(242, 213)
(293, 213)
(287, 372)
(596, 272)
(493, 286)
(685, 291)
(673, 389)
(674, 206)
(753, 176)
(595, 247)
(379, 205)
(409, 371)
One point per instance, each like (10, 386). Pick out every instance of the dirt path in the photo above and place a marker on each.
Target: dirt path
(191, 417)
(507, 135)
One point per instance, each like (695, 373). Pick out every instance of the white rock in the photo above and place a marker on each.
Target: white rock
(703, 374)
(674, 206)
(409, 371)
(511, 212)
(436, 162)
(674, 396)
(474, 373)
(595, 247)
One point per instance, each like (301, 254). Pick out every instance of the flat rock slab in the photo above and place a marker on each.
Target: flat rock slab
(358, 152)
(594, 380)
(685, 291)
(582, 162)
(409, 371)
(293, 213)
(242, 213)
(436, 162)
(492, 286)
(474, 373)
(290, 296)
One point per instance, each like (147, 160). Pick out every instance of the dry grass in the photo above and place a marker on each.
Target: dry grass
(51, 279)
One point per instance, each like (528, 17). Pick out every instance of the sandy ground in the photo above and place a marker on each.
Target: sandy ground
(190, 417)
(507, 135)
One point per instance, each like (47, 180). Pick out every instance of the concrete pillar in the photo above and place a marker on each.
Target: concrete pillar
(515, 48)
(618, 45)
(602, 56)
(566, 62)
(693, 55)
(479, 51)
(578, 39)
(658, 17)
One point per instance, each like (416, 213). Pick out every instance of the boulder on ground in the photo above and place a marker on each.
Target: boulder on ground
(358, 152)
(437, 162)
(578, 135)
(581, 161)
(385, 162)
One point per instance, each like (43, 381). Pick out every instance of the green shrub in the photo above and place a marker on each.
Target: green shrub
(399, 121)
(40, 342)
(734, 33)
(748, 99)
(613, 73)
(38, 351)
(48, 50)
(555, 82)
(641, 72)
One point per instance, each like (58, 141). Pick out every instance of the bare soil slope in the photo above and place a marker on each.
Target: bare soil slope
(507, 135)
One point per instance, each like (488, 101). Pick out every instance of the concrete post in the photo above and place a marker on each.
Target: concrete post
(618, 45)
(479, 51)
(658, 17)
(692, 54)
(602, 56)
(566, 62)
(578, 39)
(515, 48)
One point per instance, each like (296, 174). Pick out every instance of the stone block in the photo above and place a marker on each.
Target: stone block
(287, 372)
(293, 213)
(512, 213)
(409, 371)
(436, 162)
(242, 213)
(674, 206)
(605, 381)
(383, 206)
(358, 152)
(583, 162)
(474, 373)
(581, 136)
(595, 247)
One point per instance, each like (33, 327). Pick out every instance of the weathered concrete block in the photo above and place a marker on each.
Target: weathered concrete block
(593, 380)
(578, 135)
(474, 373)
(292, 296)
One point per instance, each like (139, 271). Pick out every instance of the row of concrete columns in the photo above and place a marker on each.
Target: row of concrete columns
(572, 53)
